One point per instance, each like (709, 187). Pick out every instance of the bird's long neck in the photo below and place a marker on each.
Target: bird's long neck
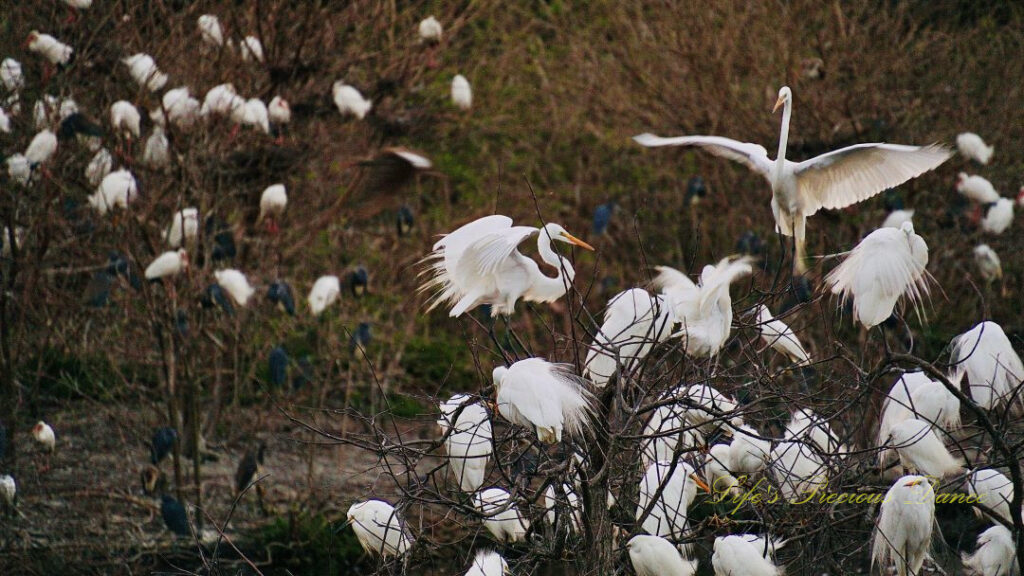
(545, 288)
(780, 160)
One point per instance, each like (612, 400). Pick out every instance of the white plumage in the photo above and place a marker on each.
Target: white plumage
(19, 169)
(703, 310)
(998, 217)
(325, 291)
(157, 151)
(116, 190)
(253, 113)
(633, 322)
(921, 450)
(273, 201)
(55, 51)
(833, 180)
(169, 263)
(915, 395)
(972, 147)
(780, 336)
(5, 122)
(488, 563)
(379, 528)
(222, 100)
(42, 147)
(808, 425)
(43, 434)
(462, 94)
(11, 75)
(904, 528)
(430, 29)
(8, 489)
(797, 469)
(5, 241)
(184, 227)
(500, 515)
(555, 506)
(887, 265)
(989, 265)
(655, 556)
(748, 454)
(741, 555)
(896, 218)
(181, 108)
(976, 188)
(280, 111)
(994, 490)
(994, 370)
(143, 70)
(667, 517)
(480, 263)
(125, 119)
(996, 554)
(544, 396)
(251, 49)
(100, 165)
(717, 472)
(705, 408)
(468, 445)
(349, 101)
(236, 284)
(210, 30)
(665, 433)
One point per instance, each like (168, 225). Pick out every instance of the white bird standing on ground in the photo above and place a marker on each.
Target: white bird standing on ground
(743, 555)
(468, 445)
(993, 368)
(100, 165)
(379, 528)
(998, 217)
(480, 263)
(236, 284)
(546, 397)
(325, 291)
(994, 490)
(667, 517)
(55, 51)
(210, 30)
(717, 471)
(168, 264)
(798, 469)
(42, 147)
(125, 119)
(996, 554)
(430, 30)
(501, 517)
(462, 94)
(349, 101)
(703, 310)
(633, 322)
(976, 188)
(273, 201)
(655, 556)
(184, 227)
(989, 265)
(921, 450)
(11, 75)
(887, 265)
(896, 218)
(488, 563)
(748, 453)
(780, 336)
(116, 190)
(833, 180)
(143, 70)
(972, 147)
(251, 49)
(157, 151)
(903, 531)
(43, 434)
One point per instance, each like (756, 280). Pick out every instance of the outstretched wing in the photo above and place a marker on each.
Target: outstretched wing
(753, 156)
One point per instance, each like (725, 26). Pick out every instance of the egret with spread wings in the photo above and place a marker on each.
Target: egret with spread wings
(833, 180)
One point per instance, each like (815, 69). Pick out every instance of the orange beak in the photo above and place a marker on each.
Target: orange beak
(700, 483)
(778, 104)
(576, 241)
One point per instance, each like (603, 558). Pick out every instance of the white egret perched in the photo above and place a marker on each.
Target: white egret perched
(994, 370)
(180, 107)
(989, 265)
(743, 555)
(780, 336)
(896, 218)
(798, 469)
(222, 100)
(100, 165)
(430, 30)
(904, 528)
(665, 433)
(809, 425)
(116, 190)
(379, 528)
(705, 408)
(11, 75)
(655, 556)
(210, 30)
(748, 453)
(42, 147)
(55, 51)
(703, 310)
(184, 227)
(143, 70)
(500, 515)
(488, 563)
(462, 94)
(887, 264)
(571, 503)
(833, 180)
(996, 554)
(921, 450)
(480, 263)
(349, 100)
(633, 322)
(19, 169)
(717, 472)
(325, 291)
(167, 264)
(251, 49)
(8, 492)
(273, 201)
(972, 147)
(157, 151)
(235, 284)
(915, 395)
(469, 444)
(993, 489)
(678, 486)
(125, 119)
(544, 396)
(998, 217)
(976, 188)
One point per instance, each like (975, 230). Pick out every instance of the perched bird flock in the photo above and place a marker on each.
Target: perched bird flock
(690, 445)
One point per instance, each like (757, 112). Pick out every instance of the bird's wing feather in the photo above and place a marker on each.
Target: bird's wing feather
(753, 156)
(470, 232)
(487, 254)
(855, 173)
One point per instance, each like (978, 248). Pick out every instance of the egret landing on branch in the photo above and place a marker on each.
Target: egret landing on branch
(833, 180)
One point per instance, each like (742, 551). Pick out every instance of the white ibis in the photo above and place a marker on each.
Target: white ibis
(972, 147)
(143, 70)
(252, 113)
(54, 51)
(210, 30)
(235, 284)
(42, 147)
(998, 217)
(180, 107)
(184, 227)
(990, 267)
(280, 115)
(273, 201)
(976, 188)
(168, 264)
(462, 94)
(117, 189)
(43, 434)
(350, 102)
(221, 100)
(325, 291)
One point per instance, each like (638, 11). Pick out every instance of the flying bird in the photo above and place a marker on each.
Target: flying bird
(543, 396)
(903, 530)
(379, 528)
(833, 180)
(480, 263)
(972, 147)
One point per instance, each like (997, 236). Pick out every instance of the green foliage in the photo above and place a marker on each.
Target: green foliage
(437, 361)
(310, 544)
(66, 376)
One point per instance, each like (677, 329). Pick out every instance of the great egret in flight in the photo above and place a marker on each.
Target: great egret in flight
(480, 263)
(833, 180)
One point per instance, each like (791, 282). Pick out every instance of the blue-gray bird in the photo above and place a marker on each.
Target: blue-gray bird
(358, 281)
(360, 337)
(278, 364)
(215, 297)
(603, 217)
(280, 294)
(695, 190)
(162, 444)
(175, 516)
(97, 291)
(404, 221)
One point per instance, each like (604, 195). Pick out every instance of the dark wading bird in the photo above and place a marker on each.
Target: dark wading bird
(175, 516)
(248, 472)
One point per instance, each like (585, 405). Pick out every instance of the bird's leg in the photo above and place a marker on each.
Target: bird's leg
(234, 132)
(72, 15)
(272, 227)
(259, 499)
